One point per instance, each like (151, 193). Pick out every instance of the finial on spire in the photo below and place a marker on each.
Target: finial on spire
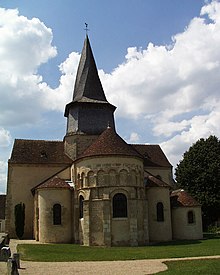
(86, 29)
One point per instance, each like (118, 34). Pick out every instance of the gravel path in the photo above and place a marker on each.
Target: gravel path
(137, 267)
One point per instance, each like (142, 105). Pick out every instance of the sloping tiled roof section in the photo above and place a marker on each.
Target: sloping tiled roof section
(153, 155)
(180, 198)
(110, 143)
(39, 151)
(152, 181)
(54, 182)
(2, 206)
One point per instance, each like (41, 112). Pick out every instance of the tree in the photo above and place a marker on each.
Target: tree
(19, 219)
(199, 174)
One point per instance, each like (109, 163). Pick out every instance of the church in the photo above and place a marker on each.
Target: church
(93, 188)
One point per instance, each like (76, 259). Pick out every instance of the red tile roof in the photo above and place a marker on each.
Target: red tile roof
(182, 198)
(110, 143)
(152, 181)
(153, 155)
(39, 151)
(54, 182)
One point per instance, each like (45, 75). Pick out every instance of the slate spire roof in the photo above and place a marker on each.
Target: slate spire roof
(88, 85)
(89, 112)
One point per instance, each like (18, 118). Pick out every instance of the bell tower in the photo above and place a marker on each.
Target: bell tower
(89, 113)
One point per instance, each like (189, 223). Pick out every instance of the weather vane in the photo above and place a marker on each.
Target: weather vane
(86, 29)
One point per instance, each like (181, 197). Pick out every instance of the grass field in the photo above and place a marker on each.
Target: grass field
(207, 267)
(72, 252)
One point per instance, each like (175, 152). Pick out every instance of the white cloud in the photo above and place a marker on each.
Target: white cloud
(169, 80)
(5, 138)
(2, 176)
(134, 138)
(25, 44)
(176, 87)
(200, 126)
(56, 99)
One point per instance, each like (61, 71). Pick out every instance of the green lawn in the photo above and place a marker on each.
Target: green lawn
(211, 266)
(72, 252)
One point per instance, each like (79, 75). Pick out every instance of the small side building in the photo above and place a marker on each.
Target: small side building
(186, 216)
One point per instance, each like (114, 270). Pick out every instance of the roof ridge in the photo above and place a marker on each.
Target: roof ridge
(46, 140)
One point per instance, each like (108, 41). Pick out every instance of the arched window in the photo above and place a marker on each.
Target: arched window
(190, 217)
(81, 199)
(123, 175)
(160, 212)
(119, 206)
(82, 180)
(100, 178)
(91, 178)
(112, 177)
(57, 214)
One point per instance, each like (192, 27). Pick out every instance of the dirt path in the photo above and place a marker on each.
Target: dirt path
(139, 267)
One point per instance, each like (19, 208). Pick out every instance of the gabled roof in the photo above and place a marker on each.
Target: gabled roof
(2, 206)
(110, 143)
(152, 181)
(153, 155)
(180, 198)
(39, 151)
(54, 182)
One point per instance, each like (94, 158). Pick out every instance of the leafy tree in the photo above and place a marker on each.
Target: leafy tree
(19, 219)
(199, 174)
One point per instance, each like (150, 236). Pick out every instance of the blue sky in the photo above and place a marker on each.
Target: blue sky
(158, 61)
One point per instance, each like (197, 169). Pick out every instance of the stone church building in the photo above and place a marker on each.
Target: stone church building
(93, 188)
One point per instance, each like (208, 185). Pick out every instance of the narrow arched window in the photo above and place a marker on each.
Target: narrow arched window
(191, 217)
(160, 212)
(81, 199)
(119, 206)
(57, 214)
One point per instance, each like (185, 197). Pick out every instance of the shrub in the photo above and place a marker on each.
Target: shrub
(19, 219)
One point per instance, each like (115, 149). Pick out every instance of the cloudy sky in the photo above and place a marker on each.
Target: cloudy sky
(158, 60)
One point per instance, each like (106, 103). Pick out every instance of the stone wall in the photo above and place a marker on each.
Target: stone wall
(159, 230)
(75, 144)
(48, 232)
(98, 179)
(21, 179)
(182, 229)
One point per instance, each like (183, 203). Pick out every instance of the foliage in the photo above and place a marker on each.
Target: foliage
(213, 229)
(19, 212)
(73, 252)
(199, 174)
(203, 266)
